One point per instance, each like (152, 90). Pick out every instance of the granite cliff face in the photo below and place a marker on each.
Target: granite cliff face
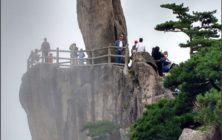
(59, 101)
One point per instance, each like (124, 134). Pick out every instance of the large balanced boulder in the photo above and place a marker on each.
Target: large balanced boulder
(100, 21)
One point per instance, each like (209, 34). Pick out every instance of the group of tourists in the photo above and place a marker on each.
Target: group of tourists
(77, 57)
(120, 44)
(163, 63)
(138, 46)
(46, 56)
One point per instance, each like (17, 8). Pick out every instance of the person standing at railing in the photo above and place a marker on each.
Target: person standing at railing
(45, 48)
(81, 56)
(120, 43)
(74, 53)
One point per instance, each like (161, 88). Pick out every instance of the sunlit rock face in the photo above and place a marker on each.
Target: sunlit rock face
(59, 101)
(100, 22)
(210, 134)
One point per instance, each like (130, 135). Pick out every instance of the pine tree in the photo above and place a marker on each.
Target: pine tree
(199, 35)
(199, 75)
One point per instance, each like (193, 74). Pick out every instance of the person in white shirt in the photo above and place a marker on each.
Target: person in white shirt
(140, 47)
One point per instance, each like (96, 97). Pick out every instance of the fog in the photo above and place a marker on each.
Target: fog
(26, 22)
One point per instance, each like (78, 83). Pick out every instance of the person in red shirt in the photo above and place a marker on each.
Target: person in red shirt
(50, 58)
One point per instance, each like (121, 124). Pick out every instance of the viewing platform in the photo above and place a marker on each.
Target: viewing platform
(65, 58)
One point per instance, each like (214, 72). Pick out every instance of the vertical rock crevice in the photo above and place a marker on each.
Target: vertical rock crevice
(119, 21)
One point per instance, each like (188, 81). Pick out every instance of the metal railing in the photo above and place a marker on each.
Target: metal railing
(64, 58)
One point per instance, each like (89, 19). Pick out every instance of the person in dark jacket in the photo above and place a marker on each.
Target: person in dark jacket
(120, 43)
(45, 48)
(157, 56)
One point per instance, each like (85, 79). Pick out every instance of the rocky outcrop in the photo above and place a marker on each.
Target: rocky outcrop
(146, 82)
(59, 101)
(211, 134)
(100, 22)
(144, 57)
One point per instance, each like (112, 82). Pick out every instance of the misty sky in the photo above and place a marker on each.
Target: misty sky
(26, 22)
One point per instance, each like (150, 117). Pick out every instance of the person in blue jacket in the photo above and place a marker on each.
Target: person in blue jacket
(167, 65)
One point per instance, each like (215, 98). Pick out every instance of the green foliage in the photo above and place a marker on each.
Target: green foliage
(99, 129)
(199, 35)
(198, 43)
(200, 73)
(163, 120)
(177, 9)
(208, 108)
(206, 18)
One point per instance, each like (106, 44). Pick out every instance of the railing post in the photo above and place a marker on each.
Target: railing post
(27, 64)
(109, 55)
(125, 69)
(126, 54)
(57, 55)
(42, 57)
(92, 56)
